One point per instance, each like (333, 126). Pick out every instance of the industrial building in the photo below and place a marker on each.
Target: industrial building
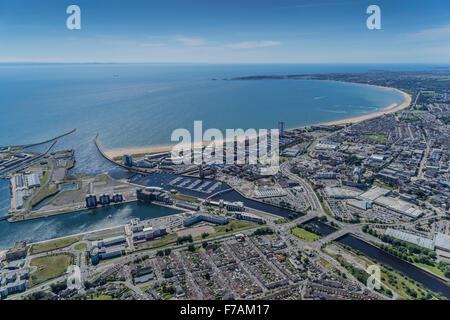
(442, 241)
(235, 206)
(249, 217)
(374, 193)
(411, 238)
(149, 233)
(32, 180)
(107, 248)
(341, 193)
(204, 217)
(108, 253)
(360, 204)
(108, 241)
(399, 206)
(187, 205)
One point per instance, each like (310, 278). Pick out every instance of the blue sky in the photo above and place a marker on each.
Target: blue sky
(245, 31)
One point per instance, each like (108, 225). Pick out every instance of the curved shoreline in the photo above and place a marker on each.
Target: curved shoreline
(390, 109)
(113, 153)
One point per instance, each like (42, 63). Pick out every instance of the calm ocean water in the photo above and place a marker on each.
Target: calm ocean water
(140, 105)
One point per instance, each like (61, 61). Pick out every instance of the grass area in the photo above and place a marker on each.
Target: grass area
(376, 137)
(144, 288)
(49, 267)
(231, 227)
(283, 159)
(322, 203)
(171, 238)
(282, 221)
(106, 237)
(102, 297)
(433, 269)
(43, 193)
(184, 198)
(326, 264)
(80, 246)
(44, 178)
(304, 235)
(52, 245)
(383, 185)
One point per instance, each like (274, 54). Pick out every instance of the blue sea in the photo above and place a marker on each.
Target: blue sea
(136, 105)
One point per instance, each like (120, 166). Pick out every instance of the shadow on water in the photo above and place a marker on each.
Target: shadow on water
(322, 227)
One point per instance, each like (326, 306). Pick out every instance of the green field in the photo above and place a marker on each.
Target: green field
(304, 235)
(326, 264)
(233, 226)
(102, 297)
(432, 269)
(80, 246)
(105, 237)
(376, 137)
(282, 221)
(49, 190)
(52, 245)
(49, 267)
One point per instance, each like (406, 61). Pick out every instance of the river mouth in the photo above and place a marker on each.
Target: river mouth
(428, 280)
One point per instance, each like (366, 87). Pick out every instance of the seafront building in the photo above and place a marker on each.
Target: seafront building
(281, 128)
(127, 160)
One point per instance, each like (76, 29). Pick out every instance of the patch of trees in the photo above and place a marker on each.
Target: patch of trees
(184, 239)
(164, 252)
(263, 231)
(352, 160)
(58, 287)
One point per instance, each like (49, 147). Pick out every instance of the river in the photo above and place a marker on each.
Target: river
(404, 267)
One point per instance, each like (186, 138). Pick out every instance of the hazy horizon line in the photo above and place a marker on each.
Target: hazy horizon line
(216, 63)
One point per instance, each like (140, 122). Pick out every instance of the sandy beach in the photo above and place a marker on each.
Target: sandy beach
(167, 148)
(390, 109)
